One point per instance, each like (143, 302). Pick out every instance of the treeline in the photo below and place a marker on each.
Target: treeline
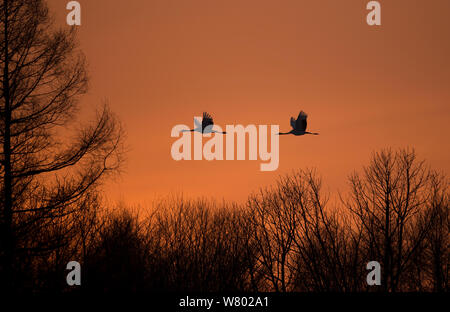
(289, 237)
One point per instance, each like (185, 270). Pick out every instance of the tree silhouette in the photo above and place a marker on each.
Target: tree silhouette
(399, 203)
(289, 237)
(302, 244)
(44, 174)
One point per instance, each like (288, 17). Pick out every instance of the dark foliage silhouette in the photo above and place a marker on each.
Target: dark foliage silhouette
(44, 174)
(292, 236)
(289, 237)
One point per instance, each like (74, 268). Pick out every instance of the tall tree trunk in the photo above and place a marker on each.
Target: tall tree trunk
(387, 241)
(7, 178)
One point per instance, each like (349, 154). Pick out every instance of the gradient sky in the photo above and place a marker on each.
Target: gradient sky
(159, 63)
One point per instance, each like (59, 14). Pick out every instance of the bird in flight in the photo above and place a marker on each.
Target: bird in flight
(206, 126)
(299, 125)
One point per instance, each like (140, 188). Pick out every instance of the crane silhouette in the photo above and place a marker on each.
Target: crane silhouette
(206, 126)
(299, 125)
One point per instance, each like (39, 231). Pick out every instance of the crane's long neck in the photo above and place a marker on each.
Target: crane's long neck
(283, 133)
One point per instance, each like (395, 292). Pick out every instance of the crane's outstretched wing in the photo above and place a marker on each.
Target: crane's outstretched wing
(292, 122)
(301, 122)
(207, 121)
(197, 123)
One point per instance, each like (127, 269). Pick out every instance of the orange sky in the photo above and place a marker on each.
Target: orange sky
(159, 63)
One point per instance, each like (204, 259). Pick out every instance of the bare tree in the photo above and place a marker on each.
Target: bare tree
(43, 172)
(429, 268)
(302, 245)
(273, 219)
(390, 202)
(201, 246)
